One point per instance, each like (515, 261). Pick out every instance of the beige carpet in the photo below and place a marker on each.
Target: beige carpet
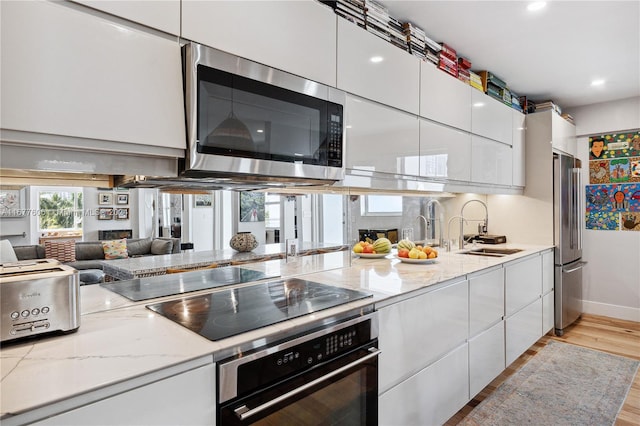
(562, 384)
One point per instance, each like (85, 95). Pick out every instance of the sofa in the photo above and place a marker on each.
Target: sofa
(90, 254)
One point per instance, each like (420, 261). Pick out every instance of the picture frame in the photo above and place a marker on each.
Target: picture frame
(121, 213)
(105, 214)
(11, 203)
(105, 198)
(252, 207)
(122, 199)
(202, 200)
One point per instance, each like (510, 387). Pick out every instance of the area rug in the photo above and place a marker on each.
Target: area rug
(562, 384)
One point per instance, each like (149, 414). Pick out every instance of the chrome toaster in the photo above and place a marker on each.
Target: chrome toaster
(38, 296)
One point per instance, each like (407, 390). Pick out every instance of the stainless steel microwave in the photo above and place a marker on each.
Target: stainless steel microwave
(247, 119)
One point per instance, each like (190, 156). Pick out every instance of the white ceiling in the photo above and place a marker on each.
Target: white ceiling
(553, 53)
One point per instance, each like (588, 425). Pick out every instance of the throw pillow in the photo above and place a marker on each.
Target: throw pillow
(62, 251)
(7, 254)
(161, 247)
(115, 249)
(139, 248)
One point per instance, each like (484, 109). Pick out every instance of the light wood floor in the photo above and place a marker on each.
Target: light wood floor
(601, 333)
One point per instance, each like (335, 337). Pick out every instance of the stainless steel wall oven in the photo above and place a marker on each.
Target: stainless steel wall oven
(326, 377)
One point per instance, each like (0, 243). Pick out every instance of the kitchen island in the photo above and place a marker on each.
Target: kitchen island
(122, 346)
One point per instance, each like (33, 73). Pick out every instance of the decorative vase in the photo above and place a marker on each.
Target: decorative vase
(243, 241)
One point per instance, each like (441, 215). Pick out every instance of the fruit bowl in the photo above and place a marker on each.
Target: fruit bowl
(409, 260)
(371, 255)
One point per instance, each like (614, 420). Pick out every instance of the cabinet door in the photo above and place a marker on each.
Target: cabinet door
(519, 131)
(491, 118)
(185, 399)
(486, 358)
(163, 15)
(563, 135)
(547, 271)
(444, 98)
(380, 138)
(486, 300)
(523, 283)
(548, 312)
(491, 161)
(415, 332)
(375, 69)
(298, 37)
(79, 75)
(445, 152)
(430, 397)
(523, 329)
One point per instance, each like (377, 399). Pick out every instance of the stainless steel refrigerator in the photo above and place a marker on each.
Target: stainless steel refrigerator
(568, 218)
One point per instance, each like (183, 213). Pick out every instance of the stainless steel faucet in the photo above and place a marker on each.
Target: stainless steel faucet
(482, 228)
(432, 219)
(462, 219)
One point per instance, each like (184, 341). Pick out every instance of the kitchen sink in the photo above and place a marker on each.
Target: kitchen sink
(493, 252)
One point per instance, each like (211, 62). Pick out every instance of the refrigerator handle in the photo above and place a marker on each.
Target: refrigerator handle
(572, 208)
(578, 192)
(580, 266)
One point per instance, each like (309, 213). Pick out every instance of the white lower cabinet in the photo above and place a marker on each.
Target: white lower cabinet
(548, 312)
(415, 332)
(486, 300)
(486, 358)
(184, 399)
(431, 396)
(523, 283)
(523, 329)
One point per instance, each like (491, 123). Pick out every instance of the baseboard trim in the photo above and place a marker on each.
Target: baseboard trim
(613, 311)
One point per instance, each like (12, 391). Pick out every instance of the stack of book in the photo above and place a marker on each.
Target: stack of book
(568, 117)
(475, 81)
(515, 102)
(493, 85)
(351, 10)
(527, 105)
(432, 50)
(415, 40)
(547, 105)
(448, 60)
(377, 19)
(396, 32)
(464, 70)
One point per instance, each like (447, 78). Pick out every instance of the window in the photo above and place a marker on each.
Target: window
(60, 209)
(272, 211)
(381, 205)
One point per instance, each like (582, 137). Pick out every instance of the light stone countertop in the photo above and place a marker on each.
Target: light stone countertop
(119, 340)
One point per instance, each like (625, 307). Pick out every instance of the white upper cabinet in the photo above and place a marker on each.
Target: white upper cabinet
(563, 135)
(380, 138)
(375, 69)
(491, 118)
(492, 162)
(163, 15)
(519, 131)
(445, 152)
(444, 98)
(83, 76)
(295, 36)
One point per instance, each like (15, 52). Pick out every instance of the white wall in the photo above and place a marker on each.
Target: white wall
(612, 274)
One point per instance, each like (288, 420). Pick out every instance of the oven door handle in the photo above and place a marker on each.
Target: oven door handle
(243, 412)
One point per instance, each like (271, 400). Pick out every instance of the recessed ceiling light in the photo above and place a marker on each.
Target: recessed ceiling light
(536, 5)
(260, 131)
(478, 104)
(376, 59)
(598, 82)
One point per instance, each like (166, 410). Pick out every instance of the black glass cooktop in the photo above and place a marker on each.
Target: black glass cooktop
(229, 312)
(168, 285)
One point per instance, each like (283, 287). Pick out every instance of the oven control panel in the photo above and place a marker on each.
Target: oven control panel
(303, 356)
